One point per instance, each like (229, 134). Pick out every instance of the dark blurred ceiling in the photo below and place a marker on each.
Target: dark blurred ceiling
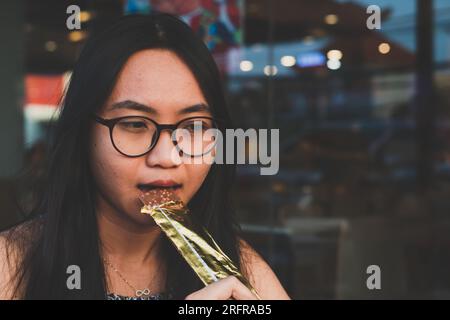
(296, 19)
(48, 45)
(49, 50)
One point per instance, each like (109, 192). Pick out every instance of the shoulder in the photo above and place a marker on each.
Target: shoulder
(7, 262)
(260, 275)
(13, 243)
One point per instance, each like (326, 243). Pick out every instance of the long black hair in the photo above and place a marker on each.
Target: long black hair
(65, 230)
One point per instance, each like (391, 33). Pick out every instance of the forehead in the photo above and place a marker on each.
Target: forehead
(159, 78)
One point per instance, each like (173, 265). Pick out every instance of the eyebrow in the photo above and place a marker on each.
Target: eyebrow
(133, 105)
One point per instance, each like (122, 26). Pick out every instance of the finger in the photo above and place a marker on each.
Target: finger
(224, 289)
(219, 290)
(240, 291)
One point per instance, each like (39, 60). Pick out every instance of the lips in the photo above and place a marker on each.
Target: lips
(162, 184)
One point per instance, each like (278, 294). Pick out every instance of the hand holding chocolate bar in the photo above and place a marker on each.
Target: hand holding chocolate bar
(204, 256)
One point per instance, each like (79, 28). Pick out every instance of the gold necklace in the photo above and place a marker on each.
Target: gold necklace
(139, 293)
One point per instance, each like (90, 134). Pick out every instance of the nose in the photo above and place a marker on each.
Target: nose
(164, 154)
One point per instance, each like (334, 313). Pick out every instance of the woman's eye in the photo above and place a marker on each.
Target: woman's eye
(133, 125)
(197, 126)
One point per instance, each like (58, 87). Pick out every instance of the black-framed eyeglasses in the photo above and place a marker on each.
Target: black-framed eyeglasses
(135, 136)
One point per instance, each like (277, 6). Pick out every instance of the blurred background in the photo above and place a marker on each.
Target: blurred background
(364, 118)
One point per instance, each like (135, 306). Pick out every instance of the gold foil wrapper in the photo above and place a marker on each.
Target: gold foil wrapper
(204, 256)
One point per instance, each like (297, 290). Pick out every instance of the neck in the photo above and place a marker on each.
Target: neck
(124, 241)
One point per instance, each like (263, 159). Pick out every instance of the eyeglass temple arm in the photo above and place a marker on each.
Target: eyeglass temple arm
(100, 120)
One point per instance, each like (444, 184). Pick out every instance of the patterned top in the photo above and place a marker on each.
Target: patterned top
(157, 296)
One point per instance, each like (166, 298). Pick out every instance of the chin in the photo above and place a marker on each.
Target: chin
(143, 220)
(139, 218)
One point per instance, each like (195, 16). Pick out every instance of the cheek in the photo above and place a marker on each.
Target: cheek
(112, 172)
(197, 174)
(102, 158)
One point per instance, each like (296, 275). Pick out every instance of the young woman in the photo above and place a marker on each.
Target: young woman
(141, 72)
